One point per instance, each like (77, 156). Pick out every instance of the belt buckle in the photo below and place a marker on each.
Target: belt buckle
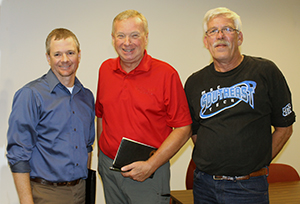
(219, 178)
(228, 178)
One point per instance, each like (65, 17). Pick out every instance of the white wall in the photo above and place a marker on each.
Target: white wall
(271, 30)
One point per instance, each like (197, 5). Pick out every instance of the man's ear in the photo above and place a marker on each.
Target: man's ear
(113, 39)
(146, 36)
(79, 55)
(240, 38)
(48, 58)
(205, 41)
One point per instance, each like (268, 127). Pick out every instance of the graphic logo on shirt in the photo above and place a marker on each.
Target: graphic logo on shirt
(216, 101)
(287, 110)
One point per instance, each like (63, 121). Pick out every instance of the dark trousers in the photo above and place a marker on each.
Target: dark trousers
(207, 190)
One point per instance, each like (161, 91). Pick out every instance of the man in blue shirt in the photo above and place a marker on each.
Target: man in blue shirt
(51, 129)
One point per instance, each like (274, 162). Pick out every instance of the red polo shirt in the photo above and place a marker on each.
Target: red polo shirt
(143, 105)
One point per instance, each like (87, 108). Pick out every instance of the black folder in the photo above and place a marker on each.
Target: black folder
(131, 151)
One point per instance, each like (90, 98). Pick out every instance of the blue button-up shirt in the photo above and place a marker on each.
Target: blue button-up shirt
(51, 130)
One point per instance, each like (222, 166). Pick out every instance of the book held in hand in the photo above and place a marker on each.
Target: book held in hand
(131, 151)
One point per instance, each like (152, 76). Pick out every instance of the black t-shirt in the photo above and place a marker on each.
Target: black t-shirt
(232, 115)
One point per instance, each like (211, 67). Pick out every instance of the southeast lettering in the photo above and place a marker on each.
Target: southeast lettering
(243, 91)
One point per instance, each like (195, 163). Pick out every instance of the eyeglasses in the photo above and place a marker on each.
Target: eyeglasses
(225, 30)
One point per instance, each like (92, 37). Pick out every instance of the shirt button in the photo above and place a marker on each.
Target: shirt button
(74, 129)
(76, 147)
(73, 112)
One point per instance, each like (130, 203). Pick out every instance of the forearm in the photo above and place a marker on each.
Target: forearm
(22, 182)
(279, 137)
(194, 138)
(141, 170)
(89, 160)
(99, 131)
(177, 138)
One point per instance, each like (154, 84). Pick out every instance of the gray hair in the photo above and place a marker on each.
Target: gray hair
(222, 11)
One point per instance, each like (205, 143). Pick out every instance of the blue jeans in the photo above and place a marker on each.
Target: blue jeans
(206, 190)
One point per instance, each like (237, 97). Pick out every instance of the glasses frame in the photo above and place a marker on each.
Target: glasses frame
(216, 31)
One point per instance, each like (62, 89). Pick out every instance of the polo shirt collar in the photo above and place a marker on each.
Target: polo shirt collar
(144, 65)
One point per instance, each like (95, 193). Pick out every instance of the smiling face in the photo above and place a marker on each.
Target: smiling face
(224, 47)
(130, 41)
(64, 59)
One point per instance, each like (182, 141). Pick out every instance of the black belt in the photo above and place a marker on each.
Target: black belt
(65, 183)
(260, 172)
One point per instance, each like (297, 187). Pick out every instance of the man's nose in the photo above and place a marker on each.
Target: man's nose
(220, 33)
(65, 57)
(127, 40)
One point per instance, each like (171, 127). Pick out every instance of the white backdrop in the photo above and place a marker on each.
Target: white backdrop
(271, 30)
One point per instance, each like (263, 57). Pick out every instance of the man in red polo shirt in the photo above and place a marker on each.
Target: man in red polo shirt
(140, 98)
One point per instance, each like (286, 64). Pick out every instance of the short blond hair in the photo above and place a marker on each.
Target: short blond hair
(130, 14)
(58, 34)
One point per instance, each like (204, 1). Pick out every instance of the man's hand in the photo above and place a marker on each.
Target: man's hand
(138, 171)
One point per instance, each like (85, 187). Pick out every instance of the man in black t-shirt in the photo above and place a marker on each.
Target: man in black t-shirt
(234, 102)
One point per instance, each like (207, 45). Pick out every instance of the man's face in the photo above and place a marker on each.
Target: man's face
(130, 41)
(223, 46)
(64, 58)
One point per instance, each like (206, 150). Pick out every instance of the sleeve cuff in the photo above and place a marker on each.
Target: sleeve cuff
(20, 167)
(89, 149)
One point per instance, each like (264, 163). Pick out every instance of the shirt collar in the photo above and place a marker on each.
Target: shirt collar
(53, 82)
(144, 65)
